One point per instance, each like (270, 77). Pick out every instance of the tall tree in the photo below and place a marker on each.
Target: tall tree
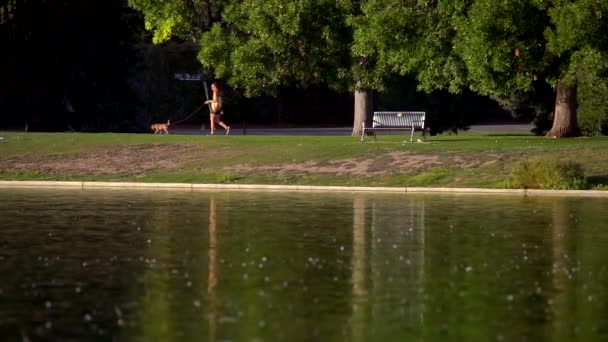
(496, 48)
(261, 46)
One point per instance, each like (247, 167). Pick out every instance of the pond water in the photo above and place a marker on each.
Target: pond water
(132, 265)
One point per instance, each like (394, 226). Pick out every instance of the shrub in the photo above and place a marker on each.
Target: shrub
(548, 174)
(593, 107)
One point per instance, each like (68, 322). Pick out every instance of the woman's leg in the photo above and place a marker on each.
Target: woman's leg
(219, 121)
(212, 118)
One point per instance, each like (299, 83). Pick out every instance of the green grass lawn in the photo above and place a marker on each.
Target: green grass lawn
(463, 160)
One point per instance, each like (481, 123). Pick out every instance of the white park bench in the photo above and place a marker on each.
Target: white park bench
(395, 121)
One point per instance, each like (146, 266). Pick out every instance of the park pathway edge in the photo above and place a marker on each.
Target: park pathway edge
(264, 187)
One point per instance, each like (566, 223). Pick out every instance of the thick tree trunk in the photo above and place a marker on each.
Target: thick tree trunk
(564, 118)
(363, 109)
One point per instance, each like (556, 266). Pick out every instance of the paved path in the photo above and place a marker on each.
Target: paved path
(518, 128)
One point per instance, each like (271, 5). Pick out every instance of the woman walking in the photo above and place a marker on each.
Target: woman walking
(216, 108)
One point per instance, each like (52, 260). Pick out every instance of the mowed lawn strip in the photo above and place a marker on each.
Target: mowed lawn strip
(463, 160)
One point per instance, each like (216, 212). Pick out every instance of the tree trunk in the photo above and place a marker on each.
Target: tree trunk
(363, 109)
(564, 119)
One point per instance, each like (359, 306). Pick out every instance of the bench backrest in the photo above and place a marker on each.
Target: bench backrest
(399, 119)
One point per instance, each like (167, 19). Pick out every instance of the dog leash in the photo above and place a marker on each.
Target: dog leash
(189, 116)
(199, 107)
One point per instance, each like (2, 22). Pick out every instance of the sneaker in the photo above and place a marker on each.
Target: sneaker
(227, 130)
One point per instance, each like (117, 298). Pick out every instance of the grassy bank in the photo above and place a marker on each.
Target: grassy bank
(464, 160)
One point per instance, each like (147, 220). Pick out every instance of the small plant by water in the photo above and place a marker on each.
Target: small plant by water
(548, 173)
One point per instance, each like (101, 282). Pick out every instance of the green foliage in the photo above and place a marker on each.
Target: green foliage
(501, 44)
(544, 173)
(495, 48)
(262, 46)
(184, 19)
(408, 38)
(593, 107)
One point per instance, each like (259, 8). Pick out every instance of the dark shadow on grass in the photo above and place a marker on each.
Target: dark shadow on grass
(448, 140)
(514, 134)
(598, 180)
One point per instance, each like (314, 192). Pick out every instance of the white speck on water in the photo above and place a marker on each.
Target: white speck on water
(245, 276)
(335, 278)
(261, 266)
(174, 271)
(84, 264)
(510, 298)
(48, 304)
(341, 248)
(120, 322)
(189, 284)
(590, 298)
(267, 279)
(244, 264)
(394, 246)
(149, 241)
(48, 325)
(285, 284)
(247, 250)
(87, 317)
(468, 269)
(262, 324)
(264, 259)
(78, 290)
(196, 303)
(379, 240)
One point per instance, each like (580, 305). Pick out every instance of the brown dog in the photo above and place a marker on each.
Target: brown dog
(160, 128)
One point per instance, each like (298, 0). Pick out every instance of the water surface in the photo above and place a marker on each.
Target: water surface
(161, 265)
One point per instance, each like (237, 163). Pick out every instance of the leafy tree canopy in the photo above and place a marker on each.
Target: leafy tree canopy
(495, 48)
(185, 19)
(262, 45)
(492, 47)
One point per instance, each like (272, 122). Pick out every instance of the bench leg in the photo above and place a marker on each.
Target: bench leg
(412, 135)
(362, 134)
